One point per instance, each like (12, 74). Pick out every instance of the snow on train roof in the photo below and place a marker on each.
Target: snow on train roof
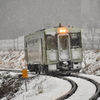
(51, 31)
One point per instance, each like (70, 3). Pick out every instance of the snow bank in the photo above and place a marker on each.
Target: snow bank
(12, 59)
(91, 62)
(43, 88)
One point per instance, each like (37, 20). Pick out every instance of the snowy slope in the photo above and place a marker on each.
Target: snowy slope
(91, 62)
(38, 88)
(43, 88)
(16, 60)
(12, 59)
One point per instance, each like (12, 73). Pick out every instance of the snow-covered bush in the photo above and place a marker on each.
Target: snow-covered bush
(12, 59)
(9, 85)
(91, 62)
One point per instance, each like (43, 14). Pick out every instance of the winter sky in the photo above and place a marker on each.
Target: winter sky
(21, 17)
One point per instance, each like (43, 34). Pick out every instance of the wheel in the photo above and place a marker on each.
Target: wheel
(46, 70)
(36, 69)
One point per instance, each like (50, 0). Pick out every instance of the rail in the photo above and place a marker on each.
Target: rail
(97, 93)
(73, 89)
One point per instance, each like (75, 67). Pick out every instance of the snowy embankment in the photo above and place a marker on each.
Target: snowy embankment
(16, 60)
(43, 88)
(12, 59)
(38, 88)
(91, 62)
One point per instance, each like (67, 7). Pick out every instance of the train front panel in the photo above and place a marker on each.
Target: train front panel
(75, 48)
(69, 49)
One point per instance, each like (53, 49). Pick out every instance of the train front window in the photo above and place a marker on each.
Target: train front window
(75, 39)
(63, 45)
(51, 42)
(63, 40)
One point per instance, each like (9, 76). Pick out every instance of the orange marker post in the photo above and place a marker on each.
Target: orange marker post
(25, 75)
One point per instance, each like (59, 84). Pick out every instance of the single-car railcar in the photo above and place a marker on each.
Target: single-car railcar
(55, 49)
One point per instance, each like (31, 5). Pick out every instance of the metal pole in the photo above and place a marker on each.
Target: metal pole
(26, 84)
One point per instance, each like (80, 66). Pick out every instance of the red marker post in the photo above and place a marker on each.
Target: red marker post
(25, 76)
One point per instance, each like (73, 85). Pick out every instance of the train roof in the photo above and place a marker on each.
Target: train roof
(70, 30)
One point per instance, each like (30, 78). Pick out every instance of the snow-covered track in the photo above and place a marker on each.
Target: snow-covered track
(97, 85)
(69, 93)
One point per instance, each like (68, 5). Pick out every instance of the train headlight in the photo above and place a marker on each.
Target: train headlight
(62, 30)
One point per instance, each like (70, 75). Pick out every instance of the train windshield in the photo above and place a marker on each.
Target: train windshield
(63, 47)
(51, 42)
(63, 40)
(75, 40)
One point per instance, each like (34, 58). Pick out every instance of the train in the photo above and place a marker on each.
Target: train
(57, 49)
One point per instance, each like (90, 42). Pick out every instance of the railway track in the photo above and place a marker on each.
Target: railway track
(75, 87)
(72, 90)
(97, 85)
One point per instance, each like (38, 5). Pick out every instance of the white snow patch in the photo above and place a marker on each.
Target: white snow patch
(43, 88)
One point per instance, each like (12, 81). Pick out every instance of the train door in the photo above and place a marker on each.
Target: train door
(51, 43)
(63, 47)
(52, 52)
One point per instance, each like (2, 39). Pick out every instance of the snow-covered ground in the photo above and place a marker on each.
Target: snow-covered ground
(43, 88)
(12, 59)
(83, 91)
(49, 88)
(38, 88)
(91, 62)
(46, 87)
(16, 60)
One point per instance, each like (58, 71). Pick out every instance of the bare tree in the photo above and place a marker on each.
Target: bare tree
(91, 35)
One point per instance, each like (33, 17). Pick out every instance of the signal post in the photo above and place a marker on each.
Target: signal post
(25, 76)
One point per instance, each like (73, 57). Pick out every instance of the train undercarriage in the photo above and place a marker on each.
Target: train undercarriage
(62, 68)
